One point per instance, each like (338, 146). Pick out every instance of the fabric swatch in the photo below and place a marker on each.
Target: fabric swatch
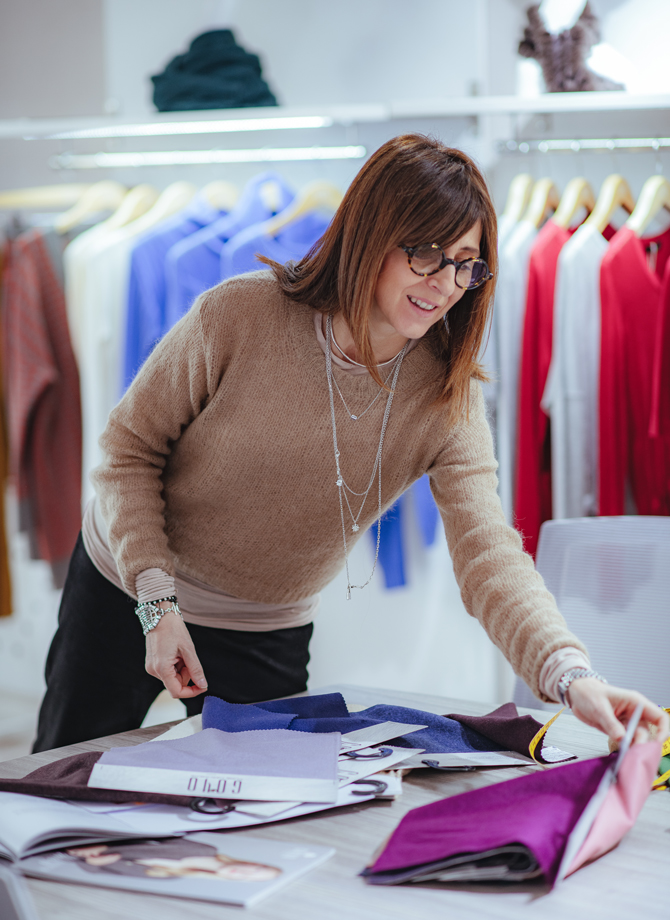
(253, 753)
(501, 730)
(537, 811)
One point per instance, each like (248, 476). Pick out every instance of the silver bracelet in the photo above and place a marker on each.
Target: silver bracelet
(150, 614)
(574, 674)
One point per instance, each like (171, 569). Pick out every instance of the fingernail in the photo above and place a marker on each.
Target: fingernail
(202, 683)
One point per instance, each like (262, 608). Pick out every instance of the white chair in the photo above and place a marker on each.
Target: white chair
(611, 579)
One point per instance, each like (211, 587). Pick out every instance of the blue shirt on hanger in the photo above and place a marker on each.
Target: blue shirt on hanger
(194, 264)
(146, 305)
(391, 543)
(292, 242)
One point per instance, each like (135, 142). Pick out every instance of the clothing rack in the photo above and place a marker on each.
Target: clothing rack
(576, 145)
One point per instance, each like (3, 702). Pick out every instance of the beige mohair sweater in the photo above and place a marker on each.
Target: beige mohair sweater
(219, 461)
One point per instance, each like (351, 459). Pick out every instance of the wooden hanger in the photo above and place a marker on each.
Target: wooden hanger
(544, 198)
(316, 196)
(102, 196)
(43, 196)
(518, 196)
(136, 202)
(221, 195)
(614, 193)
(172, 199)
(578, 194)
(654, 196)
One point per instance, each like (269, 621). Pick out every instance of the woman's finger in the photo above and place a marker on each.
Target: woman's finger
(193, 667)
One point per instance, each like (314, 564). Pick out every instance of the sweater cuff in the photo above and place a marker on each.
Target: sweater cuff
(152, 584)
(560, 661)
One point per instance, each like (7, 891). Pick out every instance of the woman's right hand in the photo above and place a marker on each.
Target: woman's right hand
(171, 657)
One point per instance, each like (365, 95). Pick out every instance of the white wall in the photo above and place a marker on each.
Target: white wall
(312, 53)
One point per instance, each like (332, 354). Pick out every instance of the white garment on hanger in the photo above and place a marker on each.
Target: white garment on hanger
(103, 318)
(489, 357)
(572, 389)
(75, 259)
(508, 315)
(506, 225)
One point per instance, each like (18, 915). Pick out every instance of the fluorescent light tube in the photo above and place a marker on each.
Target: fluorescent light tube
(222, 126)
(201, 157)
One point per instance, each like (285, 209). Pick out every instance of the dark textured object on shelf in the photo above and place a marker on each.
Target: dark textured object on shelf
(215, 73)
(563, 56)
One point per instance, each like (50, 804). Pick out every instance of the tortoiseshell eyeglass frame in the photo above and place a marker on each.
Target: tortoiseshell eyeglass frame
(410, 250)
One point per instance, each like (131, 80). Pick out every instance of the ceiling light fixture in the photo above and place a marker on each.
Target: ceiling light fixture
(222, 126)
(202, 157)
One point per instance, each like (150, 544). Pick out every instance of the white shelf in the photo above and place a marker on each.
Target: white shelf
(40, 128)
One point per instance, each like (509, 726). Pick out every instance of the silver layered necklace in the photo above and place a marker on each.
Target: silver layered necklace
(344, 490)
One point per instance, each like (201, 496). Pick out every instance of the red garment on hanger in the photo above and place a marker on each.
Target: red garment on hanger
(632, 294)
(659, 424)
(43, 403)
(532, 504)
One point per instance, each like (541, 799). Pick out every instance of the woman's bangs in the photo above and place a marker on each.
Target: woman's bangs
(448, 217)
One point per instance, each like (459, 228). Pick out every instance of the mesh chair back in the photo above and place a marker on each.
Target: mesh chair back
(611, 579)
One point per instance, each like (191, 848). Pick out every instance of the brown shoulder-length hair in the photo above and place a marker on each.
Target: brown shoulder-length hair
(412, 190)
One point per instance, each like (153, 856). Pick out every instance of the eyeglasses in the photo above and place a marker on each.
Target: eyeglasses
(428, 259)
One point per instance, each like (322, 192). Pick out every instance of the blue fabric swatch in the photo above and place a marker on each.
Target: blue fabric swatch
(328, 713)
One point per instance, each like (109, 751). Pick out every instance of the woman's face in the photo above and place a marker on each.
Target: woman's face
(410, 304)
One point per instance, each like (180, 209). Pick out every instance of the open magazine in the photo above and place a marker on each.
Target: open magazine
(228, 869)
(30, 825)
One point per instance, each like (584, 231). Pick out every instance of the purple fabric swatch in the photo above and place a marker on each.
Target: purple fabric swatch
(505, 726)
(538, 810)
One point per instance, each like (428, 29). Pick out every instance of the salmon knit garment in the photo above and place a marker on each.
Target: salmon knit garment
(219, 461)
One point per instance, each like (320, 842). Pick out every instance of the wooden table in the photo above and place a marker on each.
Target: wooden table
(630, 882)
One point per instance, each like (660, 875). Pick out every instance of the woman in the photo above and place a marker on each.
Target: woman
(246, 459)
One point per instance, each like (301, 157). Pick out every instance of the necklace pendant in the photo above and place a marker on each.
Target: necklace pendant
(354, 417)
(355, 528)
(339, 482)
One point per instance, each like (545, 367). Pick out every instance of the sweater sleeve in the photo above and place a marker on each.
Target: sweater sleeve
(172, 388)
(497, 579)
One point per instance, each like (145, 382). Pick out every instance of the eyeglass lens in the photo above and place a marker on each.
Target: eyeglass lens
(426, 260)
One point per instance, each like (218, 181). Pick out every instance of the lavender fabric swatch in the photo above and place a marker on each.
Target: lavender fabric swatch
(537, 811)
(254, 753)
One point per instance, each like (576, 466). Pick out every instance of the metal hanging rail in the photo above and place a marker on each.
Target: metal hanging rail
(577, 145)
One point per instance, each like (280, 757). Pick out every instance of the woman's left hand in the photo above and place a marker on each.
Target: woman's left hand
(609, 709)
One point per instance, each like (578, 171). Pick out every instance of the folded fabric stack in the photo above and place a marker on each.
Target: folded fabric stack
(549, 824)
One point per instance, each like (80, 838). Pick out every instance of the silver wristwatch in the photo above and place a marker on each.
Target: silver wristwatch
(150, 614)
(574, 674)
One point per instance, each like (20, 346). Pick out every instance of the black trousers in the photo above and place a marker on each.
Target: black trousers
(96, 681)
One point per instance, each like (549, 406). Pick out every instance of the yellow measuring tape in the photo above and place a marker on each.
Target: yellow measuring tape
(540, 735)
(661, 781)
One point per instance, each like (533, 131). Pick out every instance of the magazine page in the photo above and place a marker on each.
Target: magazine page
(28, 822)
(225, 868)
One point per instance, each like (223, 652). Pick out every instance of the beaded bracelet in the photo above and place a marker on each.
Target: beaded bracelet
(150, 614)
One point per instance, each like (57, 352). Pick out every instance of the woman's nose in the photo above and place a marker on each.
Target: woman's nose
(443, 282)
